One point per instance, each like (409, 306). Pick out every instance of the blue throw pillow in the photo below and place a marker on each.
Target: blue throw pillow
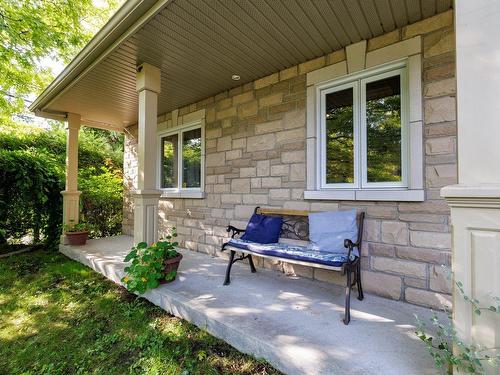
(328, 230)
(263, 229)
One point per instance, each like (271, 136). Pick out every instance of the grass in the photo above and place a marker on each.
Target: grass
(60, 317)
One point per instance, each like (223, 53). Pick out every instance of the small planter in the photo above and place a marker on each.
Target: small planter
(171, 266)
(77, 238)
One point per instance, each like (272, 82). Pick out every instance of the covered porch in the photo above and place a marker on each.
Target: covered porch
(293, 323)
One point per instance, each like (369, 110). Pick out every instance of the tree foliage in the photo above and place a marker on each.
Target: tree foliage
(36, 31)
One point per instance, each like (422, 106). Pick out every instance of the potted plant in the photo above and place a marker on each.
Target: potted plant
(152, 265)
(76, 234)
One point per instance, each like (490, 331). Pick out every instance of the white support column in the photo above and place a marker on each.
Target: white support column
(475, 201)
(146, 198)
(71, 195)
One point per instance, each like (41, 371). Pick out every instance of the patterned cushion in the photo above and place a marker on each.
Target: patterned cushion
(287, 251)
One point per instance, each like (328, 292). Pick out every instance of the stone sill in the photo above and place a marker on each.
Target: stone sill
(183, 194)
(367, 195)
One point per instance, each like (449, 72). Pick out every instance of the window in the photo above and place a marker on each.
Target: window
(181, 162)
(363, 132)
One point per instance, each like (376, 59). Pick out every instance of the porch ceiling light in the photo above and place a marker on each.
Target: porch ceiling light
(235, 77)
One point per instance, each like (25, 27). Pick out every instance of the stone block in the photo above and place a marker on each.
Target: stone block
(324, 206)
(271, 182)
(280, 170)
(335, 56)
(240, 185)
(231, 198)
(312, 65)
(243, 98)
(382, 212)
(261, 142)
(271, 100)
(440, 279)
(243, 212)
(256, 183)
(248, 172)
(268, 127)
(298, 172)
(428, 298)
(429, 24)
(421, 254)
(440, 88)
(229, 112)
(263, 168)
(239, 143)
(293, 157)
(440, 109)
(279, 194)
(256, 199)
(402, 267)
(292, 135)
(371, 230)
(248, 109)
(234, 154)
(394, 232)
(441, 175)
(216, 159)
(266, 81)
(328, 276)
(439, 42)
(224, 143)
(379, 249)
(288, 73)
(430, 239)
(383, 40)
(382, 284)
(213, 133)
(295, 119)
(441, 145)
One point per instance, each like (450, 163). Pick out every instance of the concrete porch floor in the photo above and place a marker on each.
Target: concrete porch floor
(293, 323)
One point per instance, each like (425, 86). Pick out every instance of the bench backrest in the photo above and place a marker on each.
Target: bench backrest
(296, 223)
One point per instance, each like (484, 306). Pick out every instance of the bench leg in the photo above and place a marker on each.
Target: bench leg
(358, 282)
(347, 315)
(252, 266)
(227, 281)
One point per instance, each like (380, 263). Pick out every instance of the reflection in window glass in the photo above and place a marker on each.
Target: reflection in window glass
(383, 126)
(191, 159)
(169, 157)
(339, 137)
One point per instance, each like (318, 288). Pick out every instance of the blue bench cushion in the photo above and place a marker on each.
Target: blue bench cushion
(287, 251)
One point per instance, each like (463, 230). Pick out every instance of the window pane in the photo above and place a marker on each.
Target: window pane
(339, 137)
(169, 153)
(191, 159)
(383, 123)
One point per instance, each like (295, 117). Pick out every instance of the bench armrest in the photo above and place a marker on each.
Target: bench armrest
(348, 244)
(234, 230)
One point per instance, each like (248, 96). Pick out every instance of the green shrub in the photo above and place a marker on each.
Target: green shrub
(102, 200)
(30, 200)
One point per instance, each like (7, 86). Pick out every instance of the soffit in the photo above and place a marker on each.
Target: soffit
(199, 45)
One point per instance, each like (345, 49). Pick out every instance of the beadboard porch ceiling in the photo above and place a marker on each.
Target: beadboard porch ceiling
(199, 45)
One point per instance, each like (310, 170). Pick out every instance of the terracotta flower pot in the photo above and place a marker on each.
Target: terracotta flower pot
(77, 238)
(171, 264)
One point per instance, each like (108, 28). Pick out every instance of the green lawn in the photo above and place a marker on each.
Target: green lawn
(59, 317)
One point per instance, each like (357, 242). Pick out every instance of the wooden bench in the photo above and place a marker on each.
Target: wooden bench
(295, 227)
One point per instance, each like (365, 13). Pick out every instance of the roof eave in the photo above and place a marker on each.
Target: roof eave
(128, 18)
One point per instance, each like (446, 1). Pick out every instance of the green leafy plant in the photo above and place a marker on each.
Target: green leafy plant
(448, 350)
(147, 266)
(72, 228)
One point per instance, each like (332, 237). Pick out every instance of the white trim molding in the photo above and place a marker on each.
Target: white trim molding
(404, 59)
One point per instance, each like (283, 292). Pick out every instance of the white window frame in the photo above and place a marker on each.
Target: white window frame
(358, 84)
(331, 79)
(179, 191)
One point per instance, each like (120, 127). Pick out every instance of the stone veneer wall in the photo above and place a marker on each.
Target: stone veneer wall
(255, 155)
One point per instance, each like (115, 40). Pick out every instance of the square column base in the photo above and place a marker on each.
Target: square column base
(146, 215)
(71, 210)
